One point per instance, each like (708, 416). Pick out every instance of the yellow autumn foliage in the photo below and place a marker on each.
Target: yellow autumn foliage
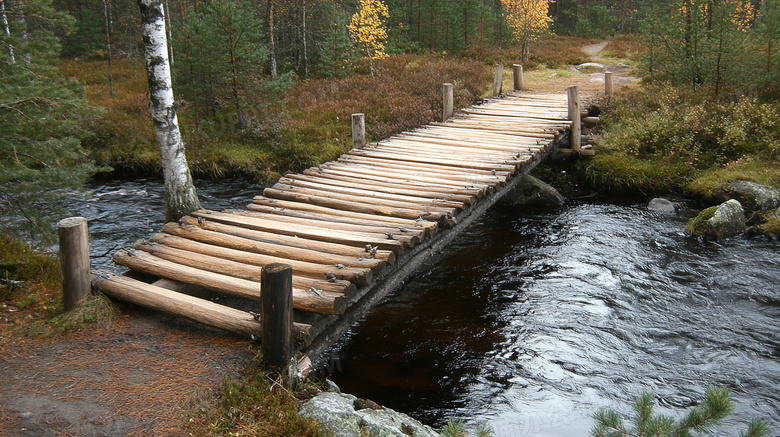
(368, 28)
(528, 19)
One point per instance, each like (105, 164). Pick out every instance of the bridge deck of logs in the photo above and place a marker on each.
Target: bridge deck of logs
(351, 229)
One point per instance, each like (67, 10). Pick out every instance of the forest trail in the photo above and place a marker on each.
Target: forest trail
(593, 50)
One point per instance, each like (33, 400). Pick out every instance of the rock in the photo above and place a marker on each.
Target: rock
(662, 205)
(331, 386)
(532, 191)
(754, 196)
(718, 222)
(590, 65)
(336, 413)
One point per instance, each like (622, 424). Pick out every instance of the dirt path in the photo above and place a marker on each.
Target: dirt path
(137, 377)
(593, 50)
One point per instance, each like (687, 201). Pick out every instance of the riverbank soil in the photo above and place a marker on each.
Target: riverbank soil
(139, 376)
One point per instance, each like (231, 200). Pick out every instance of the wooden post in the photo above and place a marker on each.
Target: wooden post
(498, 82)
(448, 100)
(608, 88)
(358, 130)
(518, 74)
(276, 315)
(74, 260)
(574, 116)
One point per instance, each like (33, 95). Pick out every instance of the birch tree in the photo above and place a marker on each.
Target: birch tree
(6, 31)
(529, 21)
(180, 195)
(369, 30)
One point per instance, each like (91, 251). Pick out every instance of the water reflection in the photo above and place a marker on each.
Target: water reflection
(532, 320)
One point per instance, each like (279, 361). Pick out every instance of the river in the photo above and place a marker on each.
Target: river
(534, 318)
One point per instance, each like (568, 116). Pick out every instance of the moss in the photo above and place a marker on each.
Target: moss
(771, 225)
(709, 184)
(697, 225)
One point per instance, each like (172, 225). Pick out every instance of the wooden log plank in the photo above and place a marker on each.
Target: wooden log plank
(496, 139)
(357, 206)
(457, 163)
(500, 113)
(520, 121)
(412, 235)
(443, 174)
(446, 146)
(428, 205)
(200, 310)
(508, 129)
(477, 190)
(363, 192)
(358, 239)
(247, 265)
(280, 246)
(400, 170)
(324, 303)
(339, 214)
(381, 188)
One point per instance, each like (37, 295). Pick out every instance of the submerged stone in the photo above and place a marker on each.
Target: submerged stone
(532, 191)
(336, 412)
(718, 222)
(662, 205)
(754, 196)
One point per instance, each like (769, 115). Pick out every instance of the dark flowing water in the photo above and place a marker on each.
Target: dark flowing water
(532, 320)
(121, 212)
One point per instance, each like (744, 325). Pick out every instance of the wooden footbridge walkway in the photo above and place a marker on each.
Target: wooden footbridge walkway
(351, 229)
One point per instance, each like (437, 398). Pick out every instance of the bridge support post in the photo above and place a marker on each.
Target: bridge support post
(358, 130)
(74, 260)
(276, 315)
(575, 138)
(448, 101)
(518, 76)
(608, 88)
(498, 82)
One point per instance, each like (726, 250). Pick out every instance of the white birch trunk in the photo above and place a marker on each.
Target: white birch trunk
(7, 31)
(180, 195)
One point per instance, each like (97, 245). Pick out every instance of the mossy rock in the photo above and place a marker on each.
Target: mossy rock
(754, 196)
(718, 222)
(771, 227)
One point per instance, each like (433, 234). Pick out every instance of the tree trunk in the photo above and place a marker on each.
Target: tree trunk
(167, 11)
(271, 44)
(23, 34)
(107, 16)
(305, 55)
(7, 31)
(180, 195)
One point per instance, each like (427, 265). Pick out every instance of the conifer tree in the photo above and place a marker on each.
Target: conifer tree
(41, 125)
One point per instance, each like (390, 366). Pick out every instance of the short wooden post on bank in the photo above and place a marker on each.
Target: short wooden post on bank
(358, 130)
(574, 116)
(498, 82)
(276, 315)
(608, 87)
(74, 260)
(518, 76)
(448, 101)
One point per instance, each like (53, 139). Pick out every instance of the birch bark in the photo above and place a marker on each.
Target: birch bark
(7, 31)
(180, 195)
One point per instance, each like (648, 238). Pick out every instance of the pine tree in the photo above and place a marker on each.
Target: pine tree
(41, 124)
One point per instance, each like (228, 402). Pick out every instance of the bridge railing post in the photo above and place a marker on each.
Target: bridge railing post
(518, 77)
(358, 130)
(276, 315)
(498, 81)
(608, 87)
(447, 101)
(574, 116)
(74, 260)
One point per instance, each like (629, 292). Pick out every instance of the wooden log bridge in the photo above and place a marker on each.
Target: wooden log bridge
(351, 229)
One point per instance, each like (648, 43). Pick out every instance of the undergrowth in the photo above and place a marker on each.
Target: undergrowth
(254, 405)
(662, 139)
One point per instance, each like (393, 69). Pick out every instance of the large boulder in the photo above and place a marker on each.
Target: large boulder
(718, 222)
(346, 415)
(532, 191)
(754, 196)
